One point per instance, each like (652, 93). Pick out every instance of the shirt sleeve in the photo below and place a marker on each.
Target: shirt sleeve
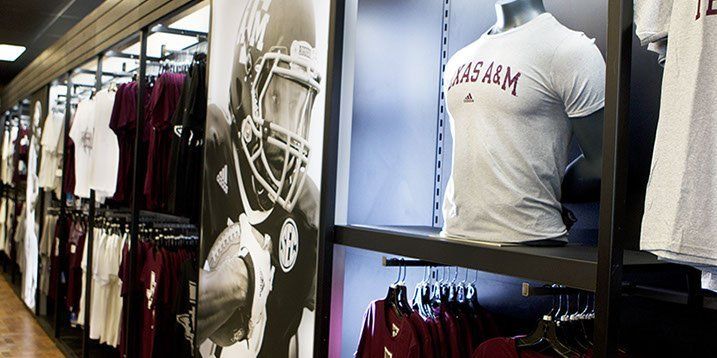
(652, 20)
(578, 75)
(46, 128)
(77, 122)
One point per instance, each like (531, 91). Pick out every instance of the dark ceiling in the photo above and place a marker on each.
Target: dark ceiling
(36, 24)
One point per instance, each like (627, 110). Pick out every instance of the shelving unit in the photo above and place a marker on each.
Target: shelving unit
(572, 265)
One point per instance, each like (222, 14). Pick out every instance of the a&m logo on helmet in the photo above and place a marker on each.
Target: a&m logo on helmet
(253, 29)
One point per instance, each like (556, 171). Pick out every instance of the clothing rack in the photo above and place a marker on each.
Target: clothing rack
(695, 298)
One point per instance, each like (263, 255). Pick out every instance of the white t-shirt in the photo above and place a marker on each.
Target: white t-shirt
(82, 134)
(52, 148)
(5, 154)
(681, 200)
(98, 302)
(8, 153)
(104, 160)
(510, 97)
(83, 294)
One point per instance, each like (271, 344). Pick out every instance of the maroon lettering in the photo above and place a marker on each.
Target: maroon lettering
(467, 73)
(500, 75)
(456, 78)
(699, 9)
(511, 82)
(712, 8)
(496, 76)
(476, 71)
(488, 73)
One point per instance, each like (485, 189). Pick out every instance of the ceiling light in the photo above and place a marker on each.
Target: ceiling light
(10, 53)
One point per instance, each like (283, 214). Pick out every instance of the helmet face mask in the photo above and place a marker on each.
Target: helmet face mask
(283, 85)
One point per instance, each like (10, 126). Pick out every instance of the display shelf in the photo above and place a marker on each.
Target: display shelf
(573, 265)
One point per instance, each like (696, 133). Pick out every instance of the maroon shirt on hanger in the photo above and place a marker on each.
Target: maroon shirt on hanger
(122, 123)
(68, 185)
(387, 335)
(455, 335)
(423, 333)
(504, 348)
(163, 103)
(149, 278)
(75, 246)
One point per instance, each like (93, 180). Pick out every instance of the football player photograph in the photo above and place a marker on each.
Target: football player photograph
(257, 286)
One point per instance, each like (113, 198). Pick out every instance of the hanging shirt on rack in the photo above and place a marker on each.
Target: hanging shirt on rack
(104, 156)
(186, 310)
(9, 154)
(504, 348)
(124, 124)
(187, 148)
(22, 146)
(75, 247)
(47, 238)
(6, 145)
(52, 148)
(82, 135)
(681, 197)
(162, 105)
(387, 335)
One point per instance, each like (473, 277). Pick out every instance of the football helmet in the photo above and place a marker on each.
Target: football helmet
(274, 84)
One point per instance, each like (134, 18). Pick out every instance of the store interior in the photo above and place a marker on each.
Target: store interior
(386, 163)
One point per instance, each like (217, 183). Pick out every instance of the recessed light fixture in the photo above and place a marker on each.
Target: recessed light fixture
(10, 53)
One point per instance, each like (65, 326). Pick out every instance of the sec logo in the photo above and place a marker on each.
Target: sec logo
(288, 245)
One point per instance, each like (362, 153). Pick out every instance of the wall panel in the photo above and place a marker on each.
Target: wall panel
(111, 22)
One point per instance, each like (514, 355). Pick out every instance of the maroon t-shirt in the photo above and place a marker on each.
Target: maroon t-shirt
(435, 337)
(163, 103)
(423, 333)
(386, 335)
(124, 116)
(466, 331)
(504, 348)
(441, 333)
(453, 333)
(149, 279)
(68, 184)
(75, 245)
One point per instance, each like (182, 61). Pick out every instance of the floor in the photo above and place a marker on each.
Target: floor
(20, 334)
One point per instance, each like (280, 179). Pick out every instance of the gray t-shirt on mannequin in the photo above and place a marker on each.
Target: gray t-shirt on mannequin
(510, 97)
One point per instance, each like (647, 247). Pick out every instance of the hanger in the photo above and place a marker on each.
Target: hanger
(546, 333)
(392, 296)
(403, 292)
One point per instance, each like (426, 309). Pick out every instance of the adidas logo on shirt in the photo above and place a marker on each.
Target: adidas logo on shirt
(468, 99)
(222, 179)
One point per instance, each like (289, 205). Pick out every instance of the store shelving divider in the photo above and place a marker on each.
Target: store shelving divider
(327, 216)
(132, 307)
(614, 177)
(62, 220)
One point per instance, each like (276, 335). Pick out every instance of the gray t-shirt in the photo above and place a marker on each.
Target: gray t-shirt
(510, 97)
(681, 200)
